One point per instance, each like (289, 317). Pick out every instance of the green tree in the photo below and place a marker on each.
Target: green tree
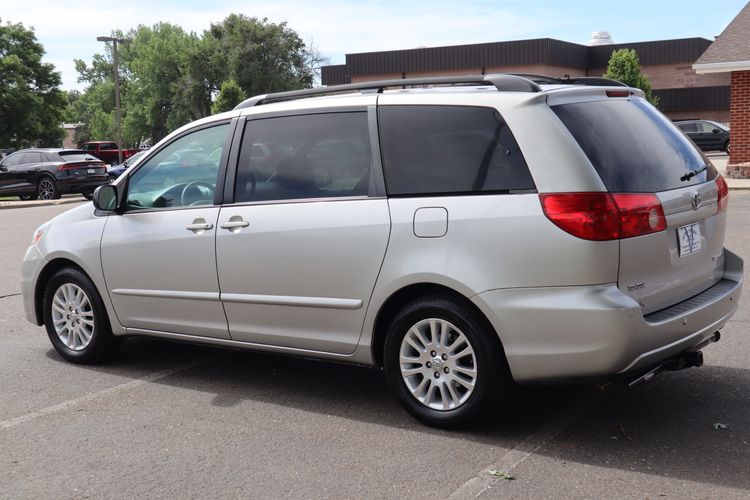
(32, 106)
(624, 66)
(260, 56)
(229, 96)
(170, 77)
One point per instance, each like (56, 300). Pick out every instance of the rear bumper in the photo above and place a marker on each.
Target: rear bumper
(78, 185)
(593, 331)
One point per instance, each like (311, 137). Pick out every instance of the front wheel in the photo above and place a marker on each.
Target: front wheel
(76, 320)
(726, 147)
(444, 364)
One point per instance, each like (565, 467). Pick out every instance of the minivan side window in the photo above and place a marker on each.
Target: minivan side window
(304, 156)
(183, 173)
(449, 150)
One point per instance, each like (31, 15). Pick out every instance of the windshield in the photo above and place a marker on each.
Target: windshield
(633, 147)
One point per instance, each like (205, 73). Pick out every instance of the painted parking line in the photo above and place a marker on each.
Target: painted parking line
(73, 403)
(483, 481)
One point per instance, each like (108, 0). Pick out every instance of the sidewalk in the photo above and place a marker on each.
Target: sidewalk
(35, 203)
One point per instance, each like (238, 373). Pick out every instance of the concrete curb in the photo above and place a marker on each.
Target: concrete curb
(37, 203)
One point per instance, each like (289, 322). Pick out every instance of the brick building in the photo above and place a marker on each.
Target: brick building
(730, 55)
(683, 92)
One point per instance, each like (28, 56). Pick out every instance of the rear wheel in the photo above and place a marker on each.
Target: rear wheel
(88, 194)
(46, 189)
(443, 363)
(76, 320)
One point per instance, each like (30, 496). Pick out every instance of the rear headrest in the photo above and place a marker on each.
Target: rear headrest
(295, 171)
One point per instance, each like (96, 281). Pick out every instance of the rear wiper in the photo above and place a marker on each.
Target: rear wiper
(693, 173)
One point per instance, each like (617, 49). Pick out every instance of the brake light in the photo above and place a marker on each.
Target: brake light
(639, 214)
(604, 216)
(618, 93)
(723, 194)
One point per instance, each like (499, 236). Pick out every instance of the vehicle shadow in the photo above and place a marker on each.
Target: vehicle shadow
(665, 427)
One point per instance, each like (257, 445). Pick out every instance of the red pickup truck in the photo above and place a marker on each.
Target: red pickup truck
(107, 151)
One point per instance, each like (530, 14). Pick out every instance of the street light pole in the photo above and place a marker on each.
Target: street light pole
(118, 118)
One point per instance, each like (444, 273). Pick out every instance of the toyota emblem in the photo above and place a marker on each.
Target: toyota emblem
(696, 200)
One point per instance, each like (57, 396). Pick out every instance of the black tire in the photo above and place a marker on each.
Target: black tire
(726, 147)
(46, 188)
(27, 196)
(103, 344)
(88, 194)
(493, 382)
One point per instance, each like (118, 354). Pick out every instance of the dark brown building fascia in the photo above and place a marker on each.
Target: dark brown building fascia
(521, 52)
(540, 51)
(682, 50)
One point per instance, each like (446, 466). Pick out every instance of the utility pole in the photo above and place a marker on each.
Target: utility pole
(118, 132)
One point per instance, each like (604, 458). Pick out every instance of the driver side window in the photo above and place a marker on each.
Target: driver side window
(182, 174)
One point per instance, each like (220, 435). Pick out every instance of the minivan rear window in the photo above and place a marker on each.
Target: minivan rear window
(450, 150)
(633, 147)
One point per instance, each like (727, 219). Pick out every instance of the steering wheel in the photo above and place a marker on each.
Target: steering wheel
(184, 198)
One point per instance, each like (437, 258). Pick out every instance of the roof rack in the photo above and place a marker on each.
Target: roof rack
(502, 82)
(593, 81)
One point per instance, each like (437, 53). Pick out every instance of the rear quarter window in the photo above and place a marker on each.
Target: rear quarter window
(633, 147)
(446, 150)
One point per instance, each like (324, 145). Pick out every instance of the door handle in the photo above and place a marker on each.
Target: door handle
(234, 224)
(199, 225)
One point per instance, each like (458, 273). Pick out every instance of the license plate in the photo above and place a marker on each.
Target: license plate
(689, 238)
(91, 170)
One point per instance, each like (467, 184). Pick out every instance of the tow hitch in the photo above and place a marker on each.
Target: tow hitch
(687, 359)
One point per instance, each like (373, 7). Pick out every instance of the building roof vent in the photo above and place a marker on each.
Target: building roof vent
(601, 38)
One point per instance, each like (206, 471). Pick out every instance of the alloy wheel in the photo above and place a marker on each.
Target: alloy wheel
(73, 316)
(438, 364)
(46, 189)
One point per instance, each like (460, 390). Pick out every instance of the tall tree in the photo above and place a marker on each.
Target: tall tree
(624, 66)
(260, 56)
(170, 77)
(32, 106)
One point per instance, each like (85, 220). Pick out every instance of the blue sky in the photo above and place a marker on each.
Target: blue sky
(68, 28)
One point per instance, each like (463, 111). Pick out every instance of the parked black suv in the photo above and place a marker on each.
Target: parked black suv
(707, 135)
(48, 173)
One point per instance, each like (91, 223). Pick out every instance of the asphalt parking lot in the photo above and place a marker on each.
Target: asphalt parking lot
(170, 419)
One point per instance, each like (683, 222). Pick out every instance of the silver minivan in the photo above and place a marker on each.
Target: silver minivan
(465, 234)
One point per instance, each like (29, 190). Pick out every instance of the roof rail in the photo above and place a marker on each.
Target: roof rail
(502, 82)
(593, 81)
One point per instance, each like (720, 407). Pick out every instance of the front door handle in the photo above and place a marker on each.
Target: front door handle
(234, 224)
(199, 225)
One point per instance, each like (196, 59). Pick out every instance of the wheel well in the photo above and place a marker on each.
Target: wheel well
(41, 284)
(399, 299)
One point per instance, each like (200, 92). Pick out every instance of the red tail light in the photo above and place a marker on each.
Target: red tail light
(618, 93)
(639, 214)
(604, 216)
(723, 195)
(78, 166)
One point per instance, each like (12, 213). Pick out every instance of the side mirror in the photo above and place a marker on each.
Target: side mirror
(3, 168)
(716, 131)
(105, 198)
